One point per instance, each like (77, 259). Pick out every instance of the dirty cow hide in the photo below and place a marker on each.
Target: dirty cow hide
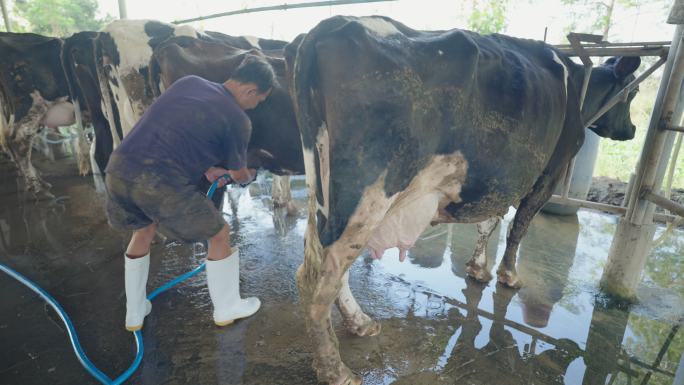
(33, 94)
(123, 53)
(403, 128)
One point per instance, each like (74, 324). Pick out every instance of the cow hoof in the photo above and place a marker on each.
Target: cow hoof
(42, 195)
(478, 273)
(350, 379)
(510, 279)
(368, 329)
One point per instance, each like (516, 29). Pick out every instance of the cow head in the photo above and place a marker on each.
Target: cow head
(606, 81)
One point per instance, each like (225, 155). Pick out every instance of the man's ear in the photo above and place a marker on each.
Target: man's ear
(252, 89)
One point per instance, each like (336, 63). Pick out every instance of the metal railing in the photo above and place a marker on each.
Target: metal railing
(596, 47)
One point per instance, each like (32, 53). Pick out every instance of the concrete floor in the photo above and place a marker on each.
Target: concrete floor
(438, 327)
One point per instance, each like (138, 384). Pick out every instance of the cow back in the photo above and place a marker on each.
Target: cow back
(390, 98)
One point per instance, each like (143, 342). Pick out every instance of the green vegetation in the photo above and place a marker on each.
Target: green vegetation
(56, 17)
(488, 16)
(619, 159)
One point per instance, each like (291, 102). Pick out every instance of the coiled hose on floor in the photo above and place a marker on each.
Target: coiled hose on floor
(80, 354)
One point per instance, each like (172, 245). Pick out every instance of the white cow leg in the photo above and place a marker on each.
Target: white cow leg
(21, 154)
(321, 275)
(355, 320)
(20, 146)
(281, 194)
(82, 148)
(477, 266)
(319, 279)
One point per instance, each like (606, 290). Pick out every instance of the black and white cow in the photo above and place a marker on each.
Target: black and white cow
(34, 94)
(80, 65)
(246, 42)
(123, 52)
(403, 128)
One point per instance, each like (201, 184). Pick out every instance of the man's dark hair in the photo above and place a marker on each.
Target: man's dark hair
(255, 69)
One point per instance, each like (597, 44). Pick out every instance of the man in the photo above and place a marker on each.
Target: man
(195, 128)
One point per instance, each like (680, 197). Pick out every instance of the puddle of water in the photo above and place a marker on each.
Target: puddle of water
(438, 326)
(557, 329)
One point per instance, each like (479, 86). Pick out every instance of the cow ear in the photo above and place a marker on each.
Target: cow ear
(625, 66)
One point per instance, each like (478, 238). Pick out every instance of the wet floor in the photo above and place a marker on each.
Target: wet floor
(438, 326)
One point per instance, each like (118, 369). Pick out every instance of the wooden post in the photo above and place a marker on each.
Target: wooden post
(5, 17)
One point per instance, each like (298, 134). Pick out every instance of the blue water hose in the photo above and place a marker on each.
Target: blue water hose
(80, 354)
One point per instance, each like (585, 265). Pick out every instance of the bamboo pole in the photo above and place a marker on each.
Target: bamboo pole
(5, 16)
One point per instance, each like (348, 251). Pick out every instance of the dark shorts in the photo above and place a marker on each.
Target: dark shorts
(181, 211)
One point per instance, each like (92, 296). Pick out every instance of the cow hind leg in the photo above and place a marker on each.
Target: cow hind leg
(318, 289)
(528, 208)
(320, 281)
(21, 154)
(476, 268)
(355, 320)
(20, 146)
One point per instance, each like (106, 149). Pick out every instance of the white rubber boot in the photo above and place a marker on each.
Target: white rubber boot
(137, 305)
(223, 279)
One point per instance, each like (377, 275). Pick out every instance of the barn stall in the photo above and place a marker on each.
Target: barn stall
(569, 323)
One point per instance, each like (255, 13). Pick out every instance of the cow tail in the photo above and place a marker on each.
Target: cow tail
(305, 79)
(306, 83)
(5, 119)
(155, 77)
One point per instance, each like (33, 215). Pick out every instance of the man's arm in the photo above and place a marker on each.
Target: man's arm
(242, 176)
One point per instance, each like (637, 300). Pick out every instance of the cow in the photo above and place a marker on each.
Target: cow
(123, 50)
(246, 42)
(34, 94)
(80, 66)
(274, 144)
(403, 128)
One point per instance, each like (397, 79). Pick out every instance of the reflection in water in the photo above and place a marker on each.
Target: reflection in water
(604, 342)
(509, 362)
(438, 327)
(428, 250)
(552, 331)
(544, 263)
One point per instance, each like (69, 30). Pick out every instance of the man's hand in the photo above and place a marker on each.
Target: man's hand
(243, 175)
(214, 173)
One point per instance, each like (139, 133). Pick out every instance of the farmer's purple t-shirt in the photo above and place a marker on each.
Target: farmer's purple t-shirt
(193, 125)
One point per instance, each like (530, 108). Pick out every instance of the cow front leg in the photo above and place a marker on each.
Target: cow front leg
(477, 266)
(355, 320)
(528, 208)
